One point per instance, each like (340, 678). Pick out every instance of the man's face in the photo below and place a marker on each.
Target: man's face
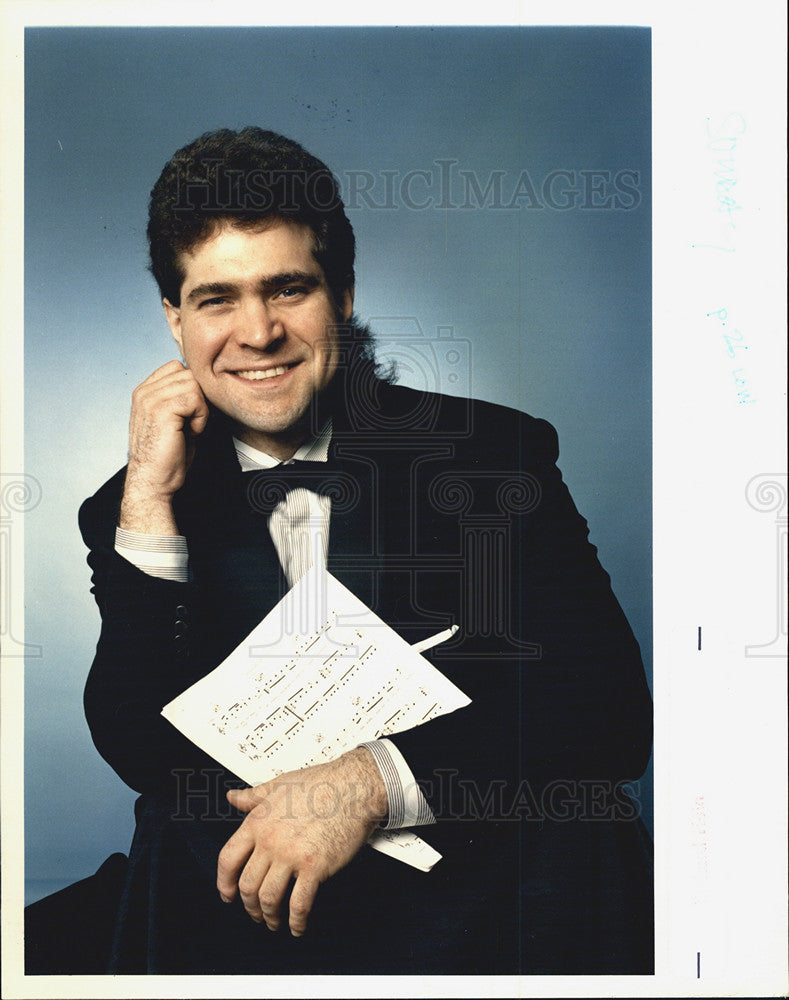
(256, 327)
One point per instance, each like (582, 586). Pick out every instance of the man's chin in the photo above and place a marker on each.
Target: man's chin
(257, 432)
(295, 417)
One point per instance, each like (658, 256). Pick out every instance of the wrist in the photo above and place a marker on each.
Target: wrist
(375, 800)
(146, 512)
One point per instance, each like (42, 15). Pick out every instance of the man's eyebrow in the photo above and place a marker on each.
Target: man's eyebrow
(211, 288)
(268, 283)
(308, 278)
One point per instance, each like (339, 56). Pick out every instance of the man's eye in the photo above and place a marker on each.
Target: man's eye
(217, 300)
(291, 291)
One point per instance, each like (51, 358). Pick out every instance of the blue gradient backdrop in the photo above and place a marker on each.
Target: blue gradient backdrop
(547, 308)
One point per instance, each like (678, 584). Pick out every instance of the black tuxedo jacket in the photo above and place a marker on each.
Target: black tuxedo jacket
(446, 511)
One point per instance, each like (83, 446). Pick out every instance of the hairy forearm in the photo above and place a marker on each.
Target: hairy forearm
(144, 510)
(363, 774)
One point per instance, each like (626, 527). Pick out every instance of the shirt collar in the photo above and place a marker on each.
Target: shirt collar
(316, 449)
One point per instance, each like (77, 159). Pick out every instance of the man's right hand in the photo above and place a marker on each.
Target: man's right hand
(168, 409)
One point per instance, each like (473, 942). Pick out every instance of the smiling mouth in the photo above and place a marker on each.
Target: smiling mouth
(252, 375)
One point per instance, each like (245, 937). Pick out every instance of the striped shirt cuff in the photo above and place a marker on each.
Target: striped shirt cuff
(165, 556)
(407, 804)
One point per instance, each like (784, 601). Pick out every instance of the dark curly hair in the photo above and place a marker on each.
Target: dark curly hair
(245, 177)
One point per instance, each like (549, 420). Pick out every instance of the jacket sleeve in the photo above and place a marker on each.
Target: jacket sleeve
(148, 652)
(574, 704)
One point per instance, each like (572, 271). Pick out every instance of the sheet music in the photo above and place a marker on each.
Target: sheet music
(319, 675)
(405, 846)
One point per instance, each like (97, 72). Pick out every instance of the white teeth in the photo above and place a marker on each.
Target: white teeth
(258, 376)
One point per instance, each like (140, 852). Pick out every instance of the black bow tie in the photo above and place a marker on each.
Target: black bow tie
(265, 488)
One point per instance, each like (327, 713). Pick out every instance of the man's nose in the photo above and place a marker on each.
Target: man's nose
(259, 326)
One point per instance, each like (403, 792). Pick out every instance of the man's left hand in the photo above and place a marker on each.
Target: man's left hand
(303, 825)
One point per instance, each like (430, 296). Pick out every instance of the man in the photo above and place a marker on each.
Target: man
(452, 512)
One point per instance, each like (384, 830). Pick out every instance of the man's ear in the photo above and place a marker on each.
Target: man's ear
(173, 317)
(346, 305)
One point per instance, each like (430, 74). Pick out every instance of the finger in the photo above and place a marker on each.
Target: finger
(244, 799)
(172, 386)
(301, 900)
(165, 370)
(272, 892)
(188, 399)
(171, 370)
(198, 422)
(199, 418)
(232, 859)
(170, 405)
(249, 883)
